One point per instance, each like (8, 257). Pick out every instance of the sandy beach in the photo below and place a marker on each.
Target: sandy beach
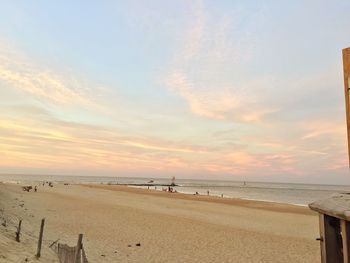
(168, 227)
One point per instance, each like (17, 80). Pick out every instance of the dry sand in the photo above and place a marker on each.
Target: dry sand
(170, 227)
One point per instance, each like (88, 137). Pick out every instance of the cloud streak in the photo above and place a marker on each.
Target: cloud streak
(22, 74)
(207, 67)
(33, 141)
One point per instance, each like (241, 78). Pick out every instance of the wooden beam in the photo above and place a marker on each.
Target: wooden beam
(331, 240)
(346, 68)
(336, 205)
(322, 243)
(345, 233)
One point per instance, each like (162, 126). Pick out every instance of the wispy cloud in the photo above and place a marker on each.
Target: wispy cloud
(316, 129)
(205, 103)
(34, 140)
(206, 69)
(19, 72)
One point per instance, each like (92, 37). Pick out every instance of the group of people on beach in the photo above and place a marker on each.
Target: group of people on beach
(28, 188)
(169, 189)
(208, 193)
(48, 183)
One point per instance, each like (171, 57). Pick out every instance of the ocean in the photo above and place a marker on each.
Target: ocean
(290, 193)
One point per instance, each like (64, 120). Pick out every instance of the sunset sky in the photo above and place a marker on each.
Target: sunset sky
(237, 90)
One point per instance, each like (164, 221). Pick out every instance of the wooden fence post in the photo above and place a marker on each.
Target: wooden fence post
(40, 238)
(18, 233)
(78, 249)
(346, 68)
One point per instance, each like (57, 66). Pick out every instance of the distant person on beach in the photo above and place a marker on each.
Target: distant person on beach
(35, 188)
(208, 192)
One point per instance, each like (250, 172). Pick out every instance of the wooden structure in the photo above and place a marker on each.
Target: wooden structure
(346, 66)
(334, 219)
(334, 212)
(68, 254)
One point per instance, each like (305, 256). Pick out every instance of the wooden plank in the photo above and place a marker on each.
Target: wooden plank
(332, 240)
(322, 243)
(345, 230)
(346, 68)
(337, 205)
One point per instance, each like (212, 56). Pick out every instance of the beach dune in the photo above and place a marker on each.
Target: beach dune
(122, 224)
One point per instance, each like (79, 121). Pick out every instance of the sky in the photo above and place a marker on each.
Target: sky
(233, 90)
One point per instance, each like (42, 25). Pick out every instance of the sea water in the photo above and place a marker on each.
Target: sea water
(291, 193)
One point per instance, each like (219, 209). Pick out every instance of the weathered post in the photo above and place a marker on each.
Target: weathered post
(18, 233)
(345, 230)
(78, 249)
(40, 241)
(346, 68)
